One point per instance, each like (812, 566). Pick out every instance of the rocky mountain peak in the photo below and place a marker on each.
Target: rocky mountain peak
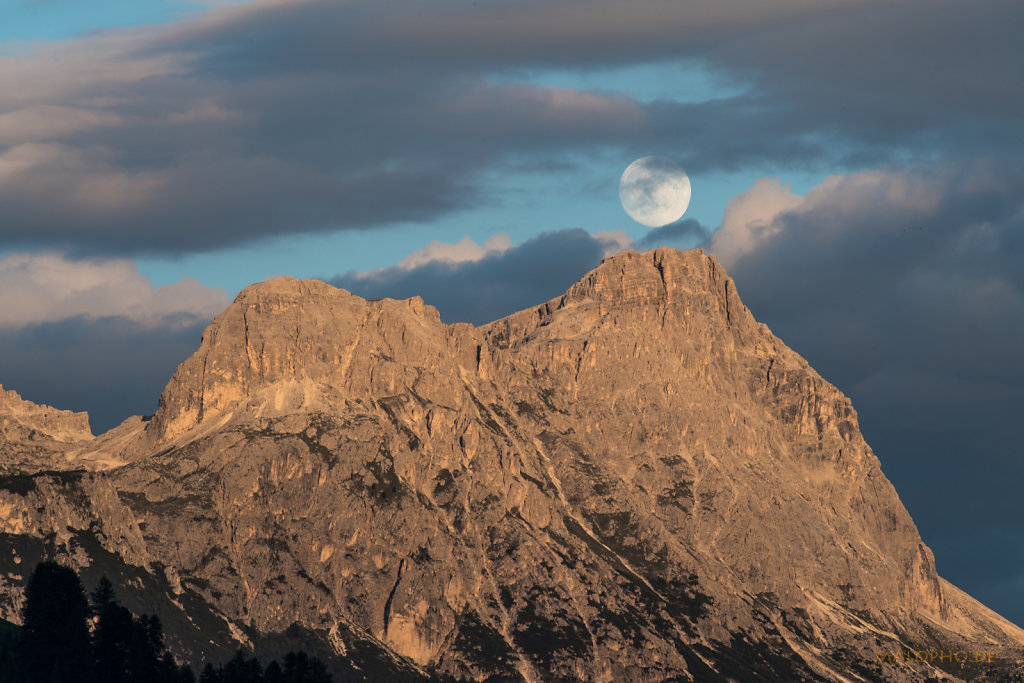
(633, 481)
(18, 417)
(305, 334)
(662, 273)
(31, 434)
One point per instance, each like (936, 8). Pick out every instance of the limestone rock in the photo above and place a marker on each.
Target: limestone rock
(20, 418)
(34, 435)
(636, 481)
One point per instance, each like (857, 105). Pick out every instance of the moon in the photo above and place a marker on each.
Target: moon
(654, 191)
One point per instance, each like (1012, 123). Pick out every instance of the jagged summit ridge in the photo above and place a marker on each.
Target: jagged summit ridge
(308, 331)
(304, 332)
(663, 274)
(18, 417)
(36, 436)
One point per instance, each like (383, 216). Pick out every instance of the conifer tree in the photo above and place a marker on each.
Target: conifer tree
(209, 674)
(54, 643)
(10, 666)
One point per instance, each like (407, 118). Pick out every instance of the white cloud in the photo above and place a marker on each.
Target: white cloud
(750, 219)
(614, 241)
(48, 287)
(462, 251)
(876, 197)
(466, 250)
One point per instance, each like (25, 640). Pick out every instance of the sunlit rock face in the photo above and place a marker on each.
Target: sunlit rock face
(634, 482)
(33, 436)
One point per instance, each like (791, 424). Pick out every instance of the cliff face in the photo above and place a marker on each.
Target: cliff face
(634, 482)
(36, 436)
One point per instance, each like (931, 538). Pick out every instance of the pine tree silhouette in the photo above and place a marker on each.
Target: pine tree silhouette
(10, 666)
(54, 643)
(209, 674)
(129, 649)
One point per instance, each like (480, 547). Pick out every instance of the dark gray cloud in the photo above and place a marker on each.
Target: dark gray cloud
(316, 116)
(905, 290)
(683, 234)
(913, 74)
(111, 367)
(485, 36)
(496, 285)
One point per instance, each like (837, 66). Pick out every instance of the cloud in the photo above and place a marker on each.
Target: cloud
(112, 368)
(903, 287)
(613, 241)
(95, 334)
(684, 234)
(49, 287)
(270, 118)
(920, 266)
(750, 218)
(202, 158)
(43, 122)
(484, 283)
(462, 251)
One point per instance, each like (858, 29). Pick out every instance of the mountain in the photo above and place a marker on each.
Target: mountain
(33, 436)
(636, 481)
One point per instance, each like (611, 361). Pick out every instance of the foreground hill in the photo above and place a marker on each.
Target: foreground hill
(634, 482)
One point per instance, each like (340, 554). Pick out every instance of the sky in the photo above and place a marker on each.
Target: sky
(856, 165)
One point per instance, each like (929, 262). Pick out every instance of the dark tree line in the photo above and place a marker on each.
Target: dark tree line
(57, 645)
(297, 668)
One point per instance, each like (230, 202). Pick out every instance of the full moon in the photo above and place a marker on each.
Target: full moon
(654, 191)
